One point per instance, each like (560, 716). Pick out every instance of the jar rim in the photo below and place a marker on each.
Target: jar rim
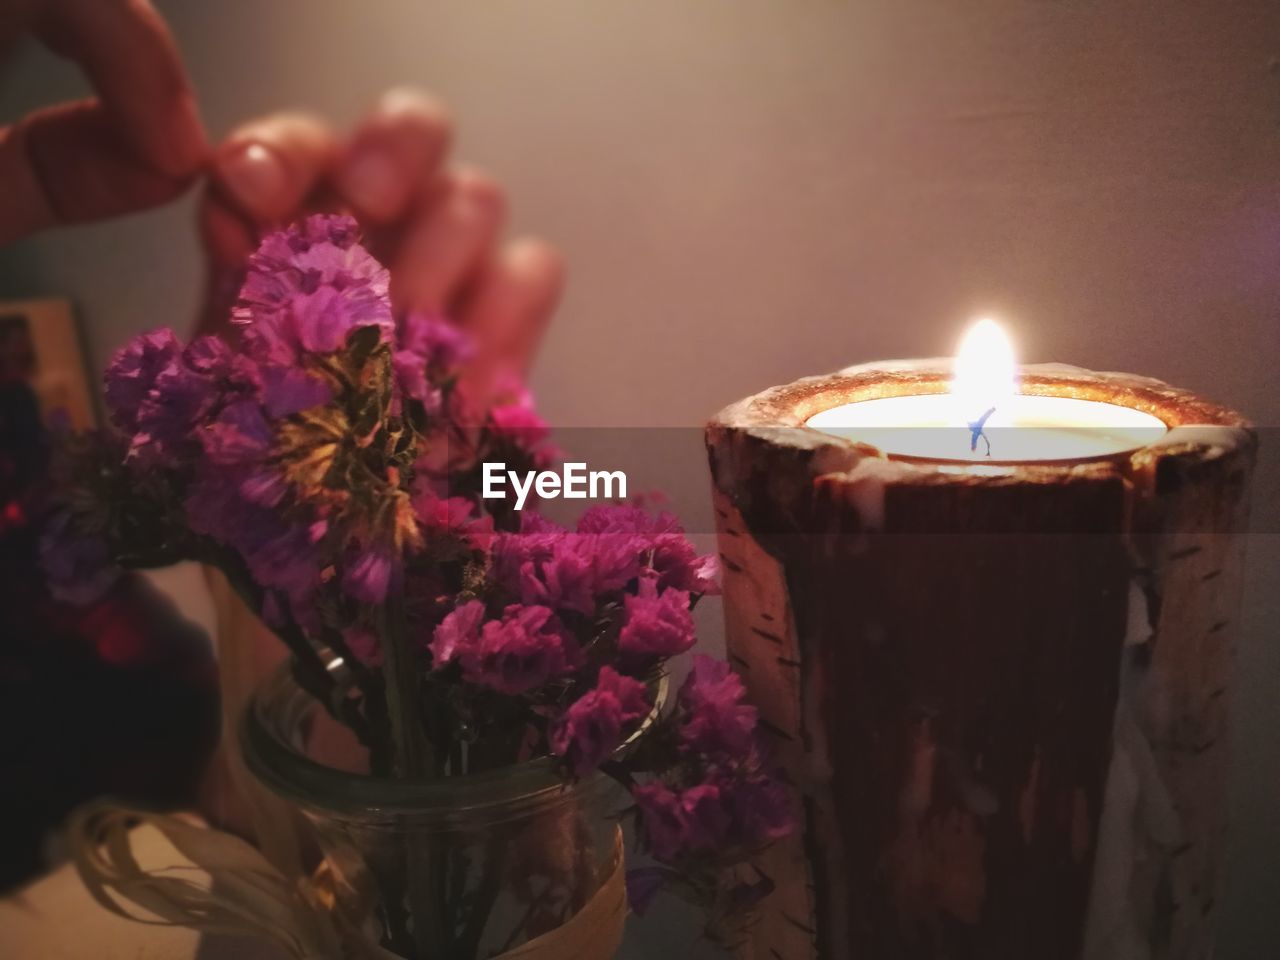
(280, 705)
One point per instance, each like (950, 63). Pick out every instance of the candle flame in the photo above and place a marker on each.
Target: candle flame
(985, 373)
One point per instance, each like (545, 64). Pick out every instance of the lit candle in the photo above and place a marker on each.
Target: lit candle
(998, 683)
(985, 418)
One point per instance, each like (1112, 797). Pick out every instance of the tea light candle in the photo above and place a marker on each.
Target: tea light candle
(984, 418)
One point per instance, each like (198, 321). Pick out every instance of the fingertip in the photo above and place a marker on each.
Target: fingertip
(409, 106)
(540, 264)
(254, 176)
(269, 166)
(394, 154)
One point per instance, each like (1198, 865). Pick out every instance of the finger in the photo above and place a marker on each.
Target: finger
(229, 237)
(394, 155)
(133, 63)
(66, 164)
(268, 168)
(444, 249)
(509, 310)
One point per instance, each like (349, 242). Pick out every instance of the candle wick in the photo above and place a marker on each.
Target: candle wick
(977, 429)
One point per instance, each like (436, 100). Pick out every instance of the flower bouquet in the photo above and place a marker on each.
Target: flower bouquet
(489, 670)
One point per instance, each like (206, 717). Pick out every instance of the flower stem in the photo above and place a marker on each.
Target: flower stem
(411, 758)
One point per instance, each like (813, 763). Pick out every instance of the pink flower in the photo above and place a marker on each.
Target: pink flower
(715, 721)
(564, 581)
(450, 517)
(586, 734)
(523, 650)
(657, 624)
(747, 812)
(677, 824)
(706, 817)
(459, 630)
(411, 376)
(659, 537)
(518, 422)
(662, 820)
(367, 577)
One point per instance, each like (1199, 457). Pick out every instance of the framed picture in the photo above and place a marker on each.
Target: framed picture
(40, 345)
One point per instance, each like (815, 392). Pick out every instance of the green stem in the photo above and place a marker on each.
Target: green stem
(411, 756)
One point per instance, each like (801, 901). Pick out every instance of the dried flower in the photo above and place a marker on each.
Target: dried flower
(307, 288)
(459, 630)
(656, 624)
(524, 649)
(715, 720)
(586, 734)
(133, 372)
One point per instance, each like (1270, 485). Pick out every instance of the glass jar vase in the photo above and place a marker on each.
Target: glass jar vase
(455, 868)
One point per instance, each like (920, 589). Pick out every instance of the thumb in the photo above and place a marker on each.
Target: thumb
(68, 164)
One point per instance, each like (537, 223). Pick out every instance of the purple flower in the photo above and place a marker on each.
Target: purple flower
(278, 555)
(523, 650)
(762, 811)
(700, 819)
(627, 519)
(661, 537)
(643, 885)
(459, 630)
(564, 581)
(133, 372)
(438, 344)
(662, 820)
(308, 287)
(411, 377)
(547, 565)
(281, 557)
(176, 403)
(535, 542)
(210, 355)
(586, 734)
(715, 720)
(264, 486)
(706, 817)
(289, 390)
(656, 624)
(239, 434)
(368, 576)
(78, 567)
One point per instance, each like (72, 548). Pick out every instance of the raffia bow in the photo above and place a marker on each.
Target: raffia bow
(228, 887)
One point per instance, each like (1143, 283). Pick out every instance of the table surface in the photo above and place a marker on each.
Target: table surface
(55, 918)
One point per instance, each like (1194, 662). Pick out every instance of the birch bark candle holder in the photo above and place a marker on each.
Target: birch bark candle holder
(999, 688)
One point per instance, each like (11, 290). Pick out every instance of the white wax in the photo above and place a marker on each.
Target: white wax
(1024, 428)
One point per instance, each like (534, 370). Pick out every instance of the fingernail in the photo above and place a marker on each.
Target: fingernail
(255, 176)
(372, 183)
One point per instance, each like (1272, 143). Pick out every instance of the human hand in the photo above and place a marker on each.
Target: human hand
(137, 144)
(438, 228)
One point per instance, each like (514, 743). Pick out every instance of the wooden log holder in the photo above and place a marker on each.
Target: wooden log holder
(1000, 690)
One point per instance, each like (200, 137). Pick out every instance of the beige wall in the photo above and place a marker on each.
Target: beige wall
(750, 190)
